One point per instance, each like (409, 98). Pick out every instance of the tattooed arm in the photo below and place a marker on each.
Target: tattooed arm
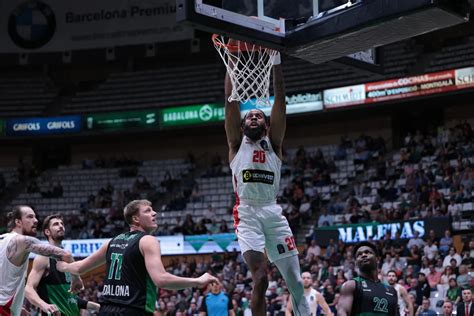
(20, 247)
(96, 259)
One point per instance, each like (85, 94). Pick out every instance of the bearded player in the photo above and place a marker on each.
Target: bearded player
(404, 304)
(15, 248)
(365, 294)
(255, 154)
(134, 267)
(314, 298)
(47, 287)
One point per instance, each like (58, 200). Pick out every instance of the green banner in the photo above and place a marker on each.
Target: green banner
(222, 240)
(192, 115)
(121, 120)
(2, 127)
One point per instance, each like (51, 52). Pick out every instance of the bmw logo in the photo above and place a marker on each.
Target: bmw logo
(31, 25)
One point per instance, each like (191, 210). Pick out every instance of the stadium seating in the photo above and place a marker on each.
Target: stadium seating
(194, 84)
(456, 56)
(9, 174)
(150, 89)
(400, 168)
(351, 169)
(354, 182)
(25, 96)
(78, 184)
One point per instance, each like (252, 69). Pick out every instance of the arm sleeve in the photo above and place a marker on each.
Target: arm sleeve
(203, 305)
(229, 305)
(81, 303)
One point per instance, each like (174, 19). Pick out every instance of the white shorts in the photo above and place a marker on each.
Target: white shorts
(264, 228)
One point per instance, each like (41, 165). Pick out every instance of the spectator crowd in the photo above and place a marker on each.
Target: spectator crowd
(430, 176)
(439, 279)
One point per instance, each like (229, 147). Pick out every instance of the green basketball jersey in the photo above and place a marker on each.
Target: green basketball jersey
(53, 288)
(127, 282)
(374, 299)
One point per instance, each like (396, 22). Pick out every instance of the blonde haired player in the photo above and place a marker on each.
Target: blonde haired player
(135, 269)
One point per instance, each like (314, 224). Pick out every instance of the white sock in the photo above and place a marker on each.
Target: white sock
(289, 268)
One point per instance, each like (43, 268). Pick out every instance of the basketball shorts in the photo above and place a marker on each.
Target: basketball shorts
(116, 310)
(264, 229)
(5, 310)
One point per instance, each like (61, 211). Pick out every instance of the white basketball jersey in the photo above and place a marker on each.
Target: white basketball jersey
(12, 278)
(401, 301)
(256, 170)
(312, 301)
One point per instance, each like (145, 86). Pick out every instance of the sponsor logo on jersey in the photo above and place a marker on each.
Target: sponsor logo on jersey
(116, 290)
(264, 145)
(120, 246)
(259, 176)
(281, 249)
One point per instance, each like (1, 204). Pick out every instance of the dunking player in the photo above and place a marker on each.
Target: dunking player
(134, 268)
(15, 248)
(48, 288)
(313, 297)
(365, 294)
(404, 304)
(255, 161)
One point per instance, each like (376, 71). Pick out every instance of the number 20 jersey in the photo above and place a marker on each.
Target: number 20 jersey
(256, 170)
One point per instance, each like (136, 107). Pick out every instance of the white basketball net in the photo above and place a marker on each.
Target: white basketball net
(249, 68)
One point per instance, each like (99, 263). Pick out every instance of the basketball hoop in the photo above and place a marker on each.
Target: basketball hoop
(249, 68)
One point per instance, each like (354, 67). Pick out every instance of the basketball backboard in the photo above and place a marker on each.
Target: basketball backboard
(322, 30)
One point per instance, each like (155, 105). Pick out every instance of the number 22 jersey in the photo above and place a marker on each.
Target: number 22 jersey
(374, 298)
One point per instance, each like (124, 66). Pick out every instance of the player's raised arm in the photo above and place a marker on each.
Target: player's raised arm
(232, 120)
(20, 247)
(344, 306)
(278, 113)
(83, 266)
(150, 249)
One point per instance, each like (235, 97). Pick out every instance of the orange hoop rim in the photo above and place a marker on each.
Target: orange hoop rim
(235, 48)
